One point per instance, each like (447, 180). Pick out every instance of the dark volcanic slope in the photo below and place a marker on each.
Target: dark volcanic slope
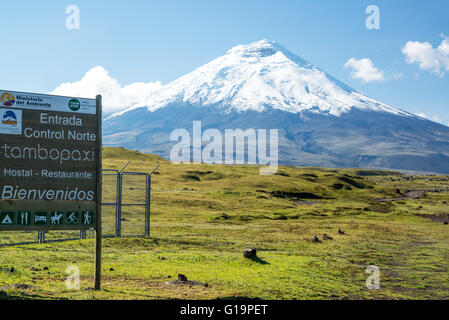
(355, 139)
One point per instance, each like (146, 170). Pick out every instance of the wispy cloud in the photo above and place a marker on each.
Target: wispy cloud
(434, 60)
(429, 117)
(364, 70)
(115, 96)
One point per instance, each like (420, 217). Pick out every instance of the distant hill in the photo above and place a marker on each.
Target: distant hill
(121, 153)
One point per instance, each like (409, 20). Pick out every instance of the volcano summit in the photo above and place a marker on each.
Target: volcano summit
(321, 121)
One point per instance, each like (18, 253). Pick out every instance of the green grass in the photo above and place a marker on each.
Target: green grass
(204, 216)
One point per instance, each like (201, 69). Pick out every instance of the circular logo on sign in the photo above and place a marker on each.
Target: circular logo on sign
(74, 104)
(7, 99)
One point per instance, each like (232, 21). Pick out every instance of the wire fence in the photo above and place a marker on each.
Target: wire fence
(125, 210)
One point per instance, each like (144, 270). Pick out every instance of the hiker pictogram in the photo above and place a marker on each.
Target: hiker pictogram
(88, 218)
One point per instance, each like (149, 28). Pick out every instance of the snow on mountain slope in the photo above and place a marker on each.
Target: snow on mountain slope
(320, 120)
(258, 76)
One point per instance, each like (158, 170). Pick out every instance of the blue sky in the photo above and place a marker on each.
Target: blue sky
(146, 41)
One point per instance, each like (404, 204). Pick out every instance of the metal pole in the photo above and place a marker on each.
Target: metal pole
(148, 202)
(117, 193)
(118, 232)
(157, 167)
(147, 206)
(126, 165)
(41, 236)
(98, 226)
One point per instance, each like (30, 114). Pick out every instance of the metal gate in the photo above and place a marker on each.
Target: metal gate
(112, 210)
(120, 205)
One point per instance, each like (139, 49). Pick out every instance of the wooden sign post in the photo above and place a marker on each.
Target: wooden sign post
(50, 164)
(98, 228)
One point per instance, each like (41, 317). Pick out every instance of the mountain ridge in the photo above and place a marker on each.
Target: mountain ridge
(251, 77)
(321, 121)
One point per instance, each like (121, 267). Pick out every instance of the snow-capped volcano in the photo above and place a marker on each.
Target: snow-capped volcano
(263, 75)
(321, 121)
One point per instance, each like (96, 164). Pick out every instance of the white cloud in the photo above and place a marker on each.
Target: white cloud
(364, 70)
(115, 96)
(422, 115)
(434, 60)
(432, 118)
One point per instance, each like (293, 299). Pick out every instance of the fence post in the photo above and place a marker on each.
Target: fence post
(148, 202)
(118, 231)
(118, 221)
(117, 182)
(41, 236)
(147, 205)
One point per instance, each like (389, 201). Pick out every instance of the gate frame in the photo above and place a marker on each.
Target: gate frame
(118, 207)
(147, 203)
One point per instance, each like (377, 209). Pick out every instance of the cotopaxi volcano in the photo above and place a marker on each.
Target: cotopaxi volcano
(321, 121)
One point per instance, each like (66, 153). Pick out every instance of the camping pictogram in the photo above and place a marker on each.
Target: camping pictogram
(6, 218)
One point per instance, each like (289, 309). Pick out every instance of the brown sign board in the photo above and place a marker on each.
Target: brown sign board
(49, 170)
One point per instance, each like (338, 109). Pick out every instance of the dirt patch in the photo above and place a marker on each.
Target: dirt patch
(435, 217)
(19, 286)
(187, 283)
(415, 194)
(409, 195)
(183, 281)
(158, 289)
(383, 207)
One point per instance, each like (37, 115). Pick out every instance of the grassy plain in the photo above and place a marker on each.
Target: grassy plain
(204, 216)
